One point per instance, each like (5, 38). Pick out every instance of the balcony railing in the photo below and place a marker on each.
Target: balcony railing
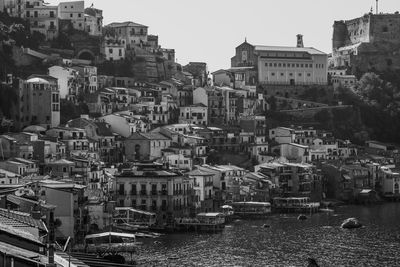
(143, 192)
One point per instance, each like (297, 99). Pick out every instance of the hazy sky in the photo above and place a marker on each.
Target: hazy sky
(209, 30)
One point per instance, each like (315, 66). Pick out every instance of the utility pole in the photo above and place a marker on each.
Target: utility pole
(377, 5)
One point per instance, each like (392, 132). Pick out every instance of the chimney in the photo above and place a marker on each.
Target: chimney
(300, 40)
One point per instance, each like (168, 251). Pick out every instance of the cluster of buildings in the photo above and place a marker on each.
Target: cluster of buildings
(151, 145)
(49, 20)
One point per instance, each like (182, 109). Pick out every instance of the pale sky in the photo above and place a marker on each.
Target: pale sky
(209, 30)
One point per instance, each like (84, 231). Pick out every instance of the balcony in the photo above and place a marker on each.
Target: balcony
(164, 192)
(133, 192)
(154, 192)
(143, 193)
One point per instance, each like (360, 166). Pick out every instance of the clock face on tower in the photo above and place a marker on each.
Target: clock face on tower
(244, 55)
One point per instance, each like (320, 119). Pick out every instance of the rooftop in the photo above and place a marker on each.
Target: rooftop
(126, 24)
(309, 50)
(20, 219)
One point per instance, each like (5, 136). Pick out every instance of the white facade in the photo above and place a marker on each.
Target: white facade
(195, 114)
(125, 125)
(345, 81)
(291, 65)
(74, 12)
(114, 51)
(66, 80)
(132, 34)
(200, 96)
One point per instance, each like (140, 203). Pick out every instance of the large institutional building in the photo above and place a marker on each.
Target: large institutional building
(280, 65)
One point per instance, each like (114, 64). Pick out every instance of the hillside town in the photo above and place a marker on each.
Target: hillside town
(102, 130)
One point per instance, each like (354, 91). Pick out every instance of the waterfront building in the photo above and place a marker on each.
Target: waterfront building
(293, 179)
(389, 182)
(203, 186)
(151, 188)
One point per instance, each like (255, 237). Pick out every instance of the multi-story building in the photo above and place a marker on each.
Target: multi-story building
(42, 18)
(73, 12)
(279, 65)
(70, 208)
(203, 186)
(67, 79)
(131, 33)
(194, 114)
(145, 146)
(152, 188)
(93, 21)
(87, 79)
(113, 50)
(293, 179)
(125, 124)
(75, 139)
(38, 102)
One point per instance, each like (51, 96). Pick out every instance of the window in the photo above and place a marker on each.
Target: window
(274, 64)
(120, 52)
(302, 65)
(110, 50)
(290, 74)
(284, 65)
(266, 64)
(297, 65)
(79, 15)
(282, 74)
(272, 73)
(51, 14)
(270, 64)
(71, 15)
(299, 74)
(279, 65)
(308, 74)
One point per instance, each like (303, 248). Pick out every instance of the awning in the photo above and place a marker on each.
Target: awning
(346, 177)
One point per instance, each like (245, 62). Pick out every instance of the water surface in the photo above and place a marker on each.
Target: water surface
(288, 242)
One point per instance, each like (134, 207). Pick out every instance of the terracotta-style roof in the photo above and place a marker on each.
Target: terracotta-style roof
(20, 219)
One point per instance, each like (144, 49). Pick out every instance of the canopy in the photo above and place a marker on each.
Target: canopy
(37, 80)
(110, 234)
(226, 207)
